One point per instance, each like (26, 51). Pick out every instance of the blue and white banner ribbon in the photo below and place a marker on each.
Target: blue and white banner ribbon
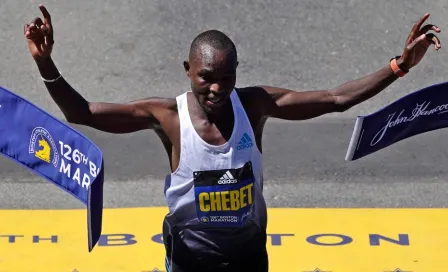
(53, 150)
(416, 113)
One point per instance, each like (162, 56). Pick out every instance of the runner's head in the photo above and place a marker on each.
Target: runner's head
(212, 69)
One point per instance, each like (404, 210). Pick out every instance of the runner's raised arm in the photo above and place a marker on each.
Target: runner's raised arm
(291, 105)
(109, 117)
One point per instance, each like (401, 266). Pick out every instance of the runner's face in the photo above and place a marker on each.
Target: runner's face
(213, 76)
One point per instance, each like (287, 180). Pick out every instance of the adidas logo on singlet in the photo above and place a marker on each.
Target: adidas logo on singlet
(245, 142)
(227, 178)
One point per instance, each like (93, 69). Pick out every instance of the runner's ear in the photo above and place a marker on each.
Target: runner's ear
(187, 68)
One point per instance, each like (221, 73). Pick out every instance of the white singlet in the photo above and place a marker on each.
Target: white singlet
(216, 188)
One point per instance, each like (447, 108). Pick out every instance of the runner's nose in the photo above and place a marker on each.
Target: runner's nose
(216, 88)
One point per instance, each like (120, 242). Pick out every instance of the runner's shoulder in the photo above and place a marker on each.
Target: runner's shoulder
(254, 98)
(161, 107)
(162, 103)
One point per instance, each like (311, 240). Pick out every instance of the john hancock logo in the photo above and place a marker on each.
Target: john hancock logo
(43, 147)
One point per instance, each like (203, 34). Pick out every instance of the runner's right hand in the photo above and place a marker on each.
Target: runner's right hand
(40, 36)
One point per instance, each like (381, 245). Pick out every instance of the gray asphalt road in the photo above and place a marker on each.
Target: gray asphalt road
(117, 51)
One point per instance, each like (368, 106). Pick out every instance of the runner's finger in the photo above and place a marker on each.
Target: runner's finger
(421, 21)
(46, 14)
(38, 22)
(420, 39)
(416, 28)
(44, 29)
(429, 27)
(434, 39)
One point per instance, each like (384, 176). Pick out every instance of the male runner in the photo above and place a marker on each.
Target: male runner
(213, 138)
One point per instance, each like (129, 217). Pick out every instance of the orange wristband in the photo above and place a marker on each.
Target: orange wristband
(396, 69)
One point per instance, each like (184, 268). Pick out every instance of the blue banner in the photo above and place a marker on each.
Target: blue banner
(416, 113)
(53, 150)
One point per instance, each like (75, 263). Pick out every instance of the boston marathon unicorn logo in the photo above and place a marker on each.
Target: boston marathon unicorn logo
(42, 146)
(45, 153)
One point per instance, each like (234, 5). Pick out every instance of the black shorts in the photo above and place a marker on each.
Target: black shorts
(189, 251)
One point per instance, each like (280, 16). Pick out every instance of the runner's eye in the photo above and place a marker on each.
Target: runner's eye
(207, 78)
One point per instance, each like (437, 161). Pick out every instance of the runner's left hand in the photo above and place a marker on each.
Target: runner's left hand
(418, 43)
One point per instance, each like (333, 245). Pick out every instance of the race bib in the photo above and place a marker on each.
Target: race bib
(224, 198)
